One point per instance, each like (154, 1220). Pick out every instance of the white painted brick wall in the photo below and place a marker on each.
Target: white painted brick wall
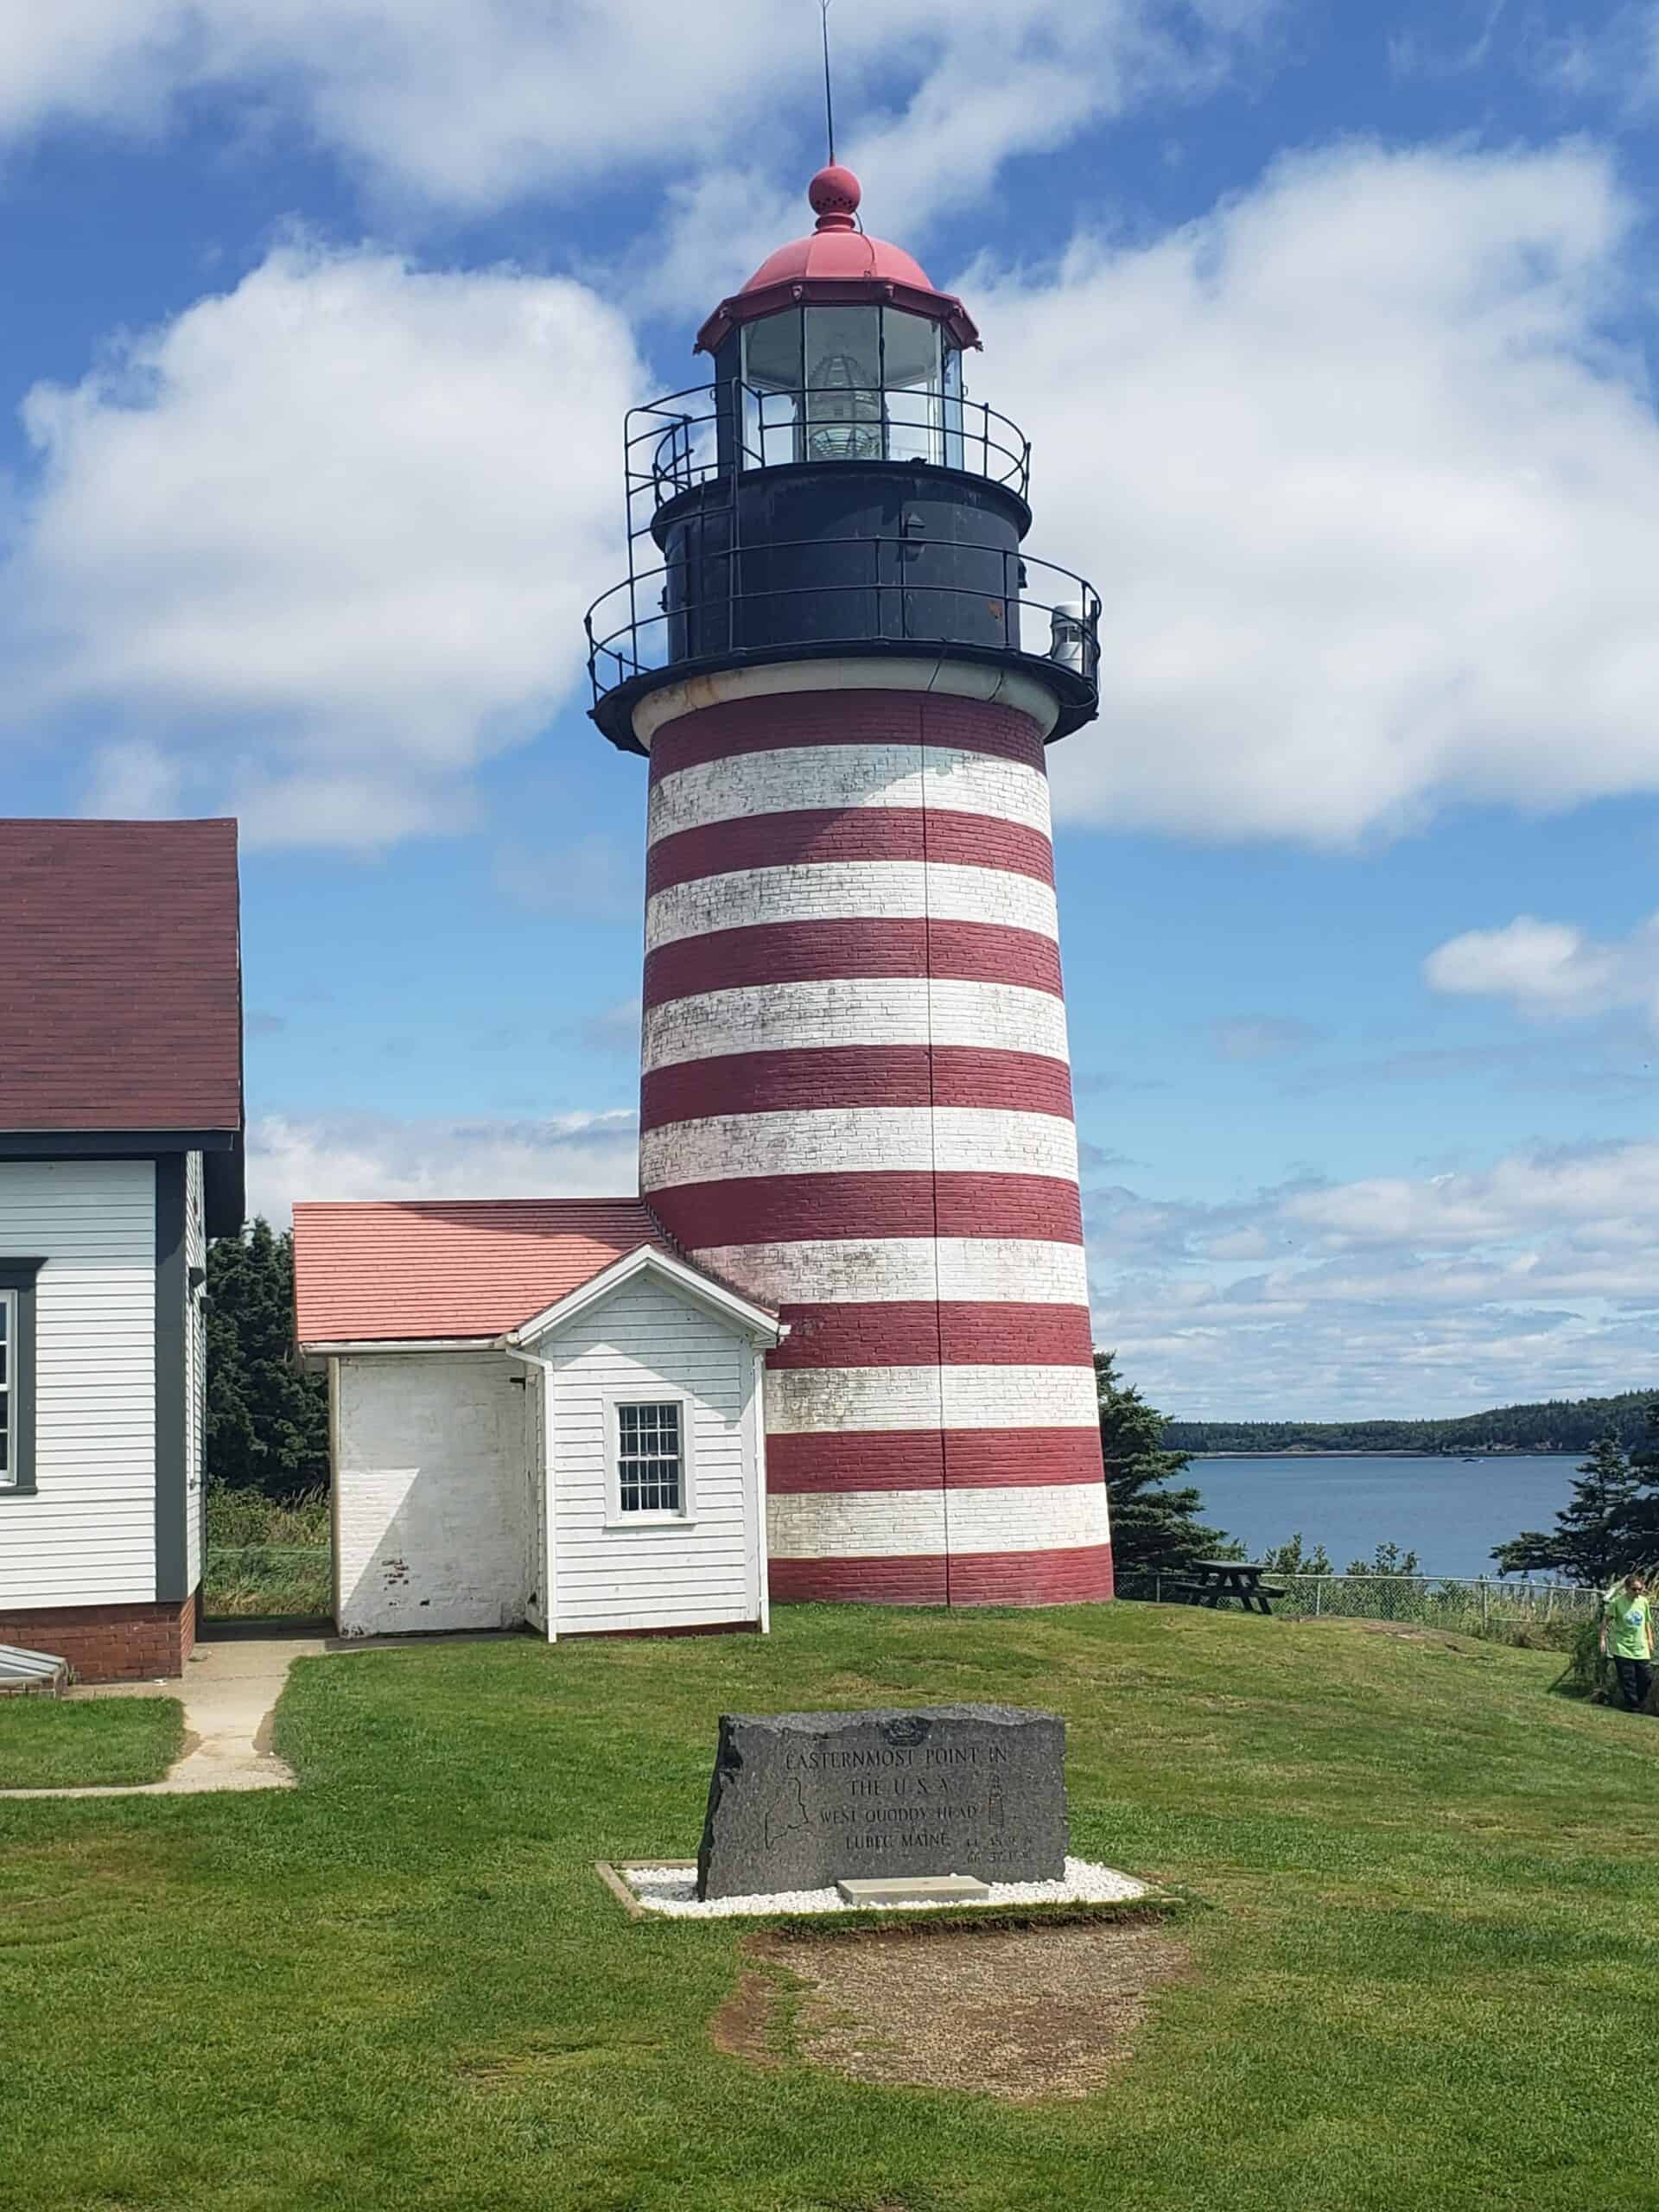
(854, 1270)
(855, 1010)
(825, 891)
(850, 1139)
(433, 1492)
(805, 1400)
(844, 776)
(874, 1524)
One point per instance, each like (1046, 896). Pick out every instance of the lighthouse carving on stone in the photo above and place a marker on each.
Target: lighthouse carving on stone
(857, 1099)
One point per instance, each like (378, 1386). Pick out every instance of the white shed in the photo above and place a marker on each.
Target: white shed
(541, 1414)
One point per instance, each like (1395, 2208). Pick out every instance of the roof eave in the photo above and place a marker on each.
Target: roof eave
(338, 1347)
(757, 1321)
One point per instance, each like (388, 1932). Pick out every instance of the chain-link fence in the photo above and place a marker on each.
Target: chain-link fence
(1434, 1600)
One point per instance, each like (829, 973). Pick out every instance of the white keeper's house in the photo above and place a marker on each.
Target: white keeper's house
(121, 1152)
(540, 1413)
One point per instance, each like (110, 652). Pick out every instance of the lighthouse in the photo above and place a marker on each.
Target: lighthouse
(844, 669)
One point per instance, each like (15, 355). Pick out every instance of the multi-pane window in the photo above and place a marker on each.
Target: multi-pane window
(650, 1458)
(8, 1341)
(850, 384)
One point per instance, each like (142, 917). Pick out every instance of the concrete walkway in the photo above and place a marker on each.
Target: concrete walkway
(230, 1691)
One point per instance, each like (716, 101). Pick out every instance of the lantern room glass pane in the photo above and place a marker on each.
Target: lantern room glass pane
(911, 375)
(843, 383)
(953, 458)
(772, 390)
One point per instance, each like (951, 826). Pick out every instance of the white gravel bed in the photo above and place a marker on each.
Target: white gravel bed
(673, 1890)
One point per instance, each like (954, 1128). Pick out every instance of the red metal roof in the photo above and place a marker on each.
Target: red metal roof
(121, 986)
(379, 1271)
(837, 262)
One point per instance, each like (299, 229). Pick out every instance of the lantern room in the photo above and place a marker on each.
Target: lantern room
(835, 489)
(838, 348)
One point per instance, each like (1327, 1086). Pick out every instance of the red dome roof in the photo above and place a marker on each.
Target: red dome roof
(836, 263)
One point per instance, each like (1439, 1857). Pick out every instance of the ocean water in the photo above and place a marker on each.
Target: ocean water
(1450, 1512)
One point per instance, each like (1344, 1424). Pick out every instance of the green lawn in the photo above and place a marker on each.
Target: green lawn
(1428, 1979)
(54, 1743)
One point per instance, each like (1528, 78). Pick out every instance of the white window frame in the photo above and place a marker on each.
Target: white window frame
(9, 1303)
(646, 1394)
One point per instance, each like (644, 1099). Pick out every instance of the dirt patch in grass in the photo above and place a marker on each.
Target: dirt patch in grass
(749, 2024)
(1022, 2014)
(1412, 1632)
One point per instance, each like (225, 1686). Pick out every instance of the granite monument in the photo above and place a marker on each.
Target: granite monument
(802, 1801)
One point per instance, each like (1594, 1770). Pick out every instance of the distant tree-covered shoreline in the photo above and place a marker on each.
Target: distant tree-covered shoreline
(1552, 1425)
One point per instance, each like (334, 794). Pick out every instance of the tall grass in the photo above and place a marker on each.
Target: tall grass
(268, 1557)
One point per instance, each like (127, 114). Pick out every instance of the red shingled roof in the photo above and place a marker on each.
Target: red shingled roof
(121, 987)
(379, 1271)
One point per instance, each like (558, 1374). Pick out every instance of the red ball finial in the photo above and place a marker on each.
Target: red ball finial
(833, 195)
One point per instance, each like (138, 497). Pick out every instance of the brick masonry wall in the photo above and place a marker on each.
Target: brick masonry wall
(854, 1043)
(109, 1644)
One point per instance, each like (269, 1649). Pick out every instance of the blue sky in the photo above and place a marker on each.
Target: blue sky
(1332, 329)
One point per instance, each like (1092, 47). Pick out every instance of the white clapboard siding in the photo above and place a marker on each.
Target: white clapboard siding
(432, 1503)
(195, 1369)
(88, 1535)
(535, 1397)
(648, 1339)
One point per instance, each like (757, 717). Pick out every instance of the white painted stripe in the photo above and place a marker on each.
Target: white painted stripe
(821, 891)
(807, 1401)
(844, 776)
(855, 1010)
(874, 1524)
(855, 1270)
(857, 1139)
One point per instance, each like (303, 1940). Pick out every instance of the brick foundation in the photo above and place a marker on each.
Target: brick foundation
(109, 1644)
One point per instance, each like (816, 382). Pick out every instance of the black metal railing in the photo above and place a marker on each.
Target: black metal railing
(841, 593)
(673, 444)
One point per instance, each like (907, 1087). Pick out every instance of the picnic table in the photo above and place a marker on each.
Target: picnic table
(1213, 1581)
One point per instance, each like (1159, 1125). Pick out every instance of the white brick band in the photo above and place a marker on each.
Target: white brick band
(802, 1401)
(855, 1010)
(874, 1524)
(858, 1270)
(841, 890)
(856, 1140)
(847, 776)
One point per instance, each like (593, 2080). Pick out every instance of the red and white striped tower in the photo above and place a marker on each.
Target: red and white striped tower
(856, 1097)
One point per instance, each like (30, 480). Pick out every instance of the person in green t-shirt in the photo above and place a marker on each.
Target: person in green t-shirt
(1627, 1637)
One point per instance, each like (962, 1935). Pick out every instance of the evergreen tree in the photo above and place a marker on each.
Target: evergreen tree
(1387, 1559)
(1155, 1529)
(267, 1423)
(1296, 1558)
(1600, 1532)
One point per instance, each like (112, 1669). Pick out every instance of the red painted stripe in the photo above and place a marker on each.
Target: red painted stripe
(855, 1075)
(799, 952)
(924, 1458)
(923, 1333)
(770, 1209)
(1079, 1576)
(844, 718)
(860, 833)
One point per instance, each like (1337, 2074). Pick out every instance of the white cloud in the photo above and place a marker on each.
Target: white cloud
(1553, 969)
(1372, 499)
(320, 543)
(1262, 1037)
(468, 106)
(381, 1156)
(1537, 1276)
